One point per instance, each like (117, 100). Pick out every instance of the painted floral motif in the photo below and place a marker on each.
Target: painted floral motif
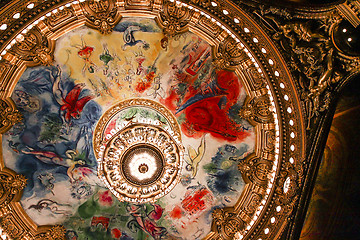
(105, 198)
(62, 103)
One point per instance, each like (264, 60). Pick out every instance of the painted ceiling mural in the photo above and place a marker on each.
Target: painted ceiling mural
(206, 117)
(62, 104)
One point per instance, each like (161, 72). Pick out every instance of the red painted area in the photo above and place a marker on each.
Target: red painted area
(156, 213)
(105, 198)
(171, 100)
(140, 68)
(210, 112)
(148, 222)
(73, 105)
(206, 117)
(115, 233)
(104, 221)
(196, 65)
(85, 52)
(195, 203)
(110, 126)
(176, 213)
(143, 85)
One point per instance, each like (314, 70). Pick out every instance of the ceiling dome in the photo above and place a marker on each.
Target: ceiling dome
(156, 119)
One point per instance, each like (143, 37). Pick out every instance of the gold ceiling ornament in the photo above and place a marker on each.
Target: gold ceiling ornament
(315, 57)
(257, 109)
(175, 19)
(139, 158)
(256, 170)
(229, 54)
(100, 15)
(226, 222)
(54, 233)
(9, 115)
(34, 47)
(101, 139)
(11, 186)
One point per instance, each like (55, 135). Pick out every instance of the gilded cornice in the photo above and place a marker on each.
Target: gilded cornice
(308, 39)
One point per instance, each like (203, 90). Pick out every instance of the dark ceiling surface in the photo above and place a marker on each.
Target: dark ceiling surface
(335, 203)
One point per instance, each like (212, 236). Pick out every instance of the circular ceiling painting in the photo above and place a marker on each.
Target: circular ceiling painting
(130, 135)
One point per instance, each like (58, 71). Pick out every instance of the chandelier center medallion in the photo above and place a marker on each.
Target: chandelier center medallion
(139, 150)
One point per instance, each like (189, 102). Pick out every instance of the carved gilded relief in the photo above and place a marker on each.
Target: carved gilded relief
(9, 115)
(232, 138)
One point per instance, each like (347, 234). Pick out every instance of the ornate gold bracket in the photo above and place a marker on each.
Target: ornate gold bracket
(174, 18)
(229, 54)
(226, 223)
(9, 115)
(11, 186)
(257, 109)
(34, 48)
(100, 15)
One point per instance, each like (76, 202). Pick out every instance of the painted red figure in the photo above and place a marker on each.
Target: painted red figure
(207, 109)
(72, 105)
(85, 53)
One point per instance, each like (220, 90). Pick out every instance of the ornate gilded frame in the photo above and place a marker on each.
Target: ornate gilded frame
(275, 175)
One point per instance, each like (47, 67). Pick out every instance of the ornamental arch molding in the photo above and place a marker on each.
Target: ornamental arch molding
(281, 109)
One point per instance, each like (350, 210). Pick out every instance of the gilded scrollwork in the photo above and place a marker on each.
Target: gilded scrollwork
(34, 48)
(11, 186)
(226, 223)
(138, 3)
(56, 232)
(315, 61)
(11, 226)
(209, 26)
(9, 115)
(174, 18)
(229, 54)
(253, 203)
(257, 79)
(101, 15)
(287, 187)
(268, 141)
(257, 109)
(256, 170)
(60, 18)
